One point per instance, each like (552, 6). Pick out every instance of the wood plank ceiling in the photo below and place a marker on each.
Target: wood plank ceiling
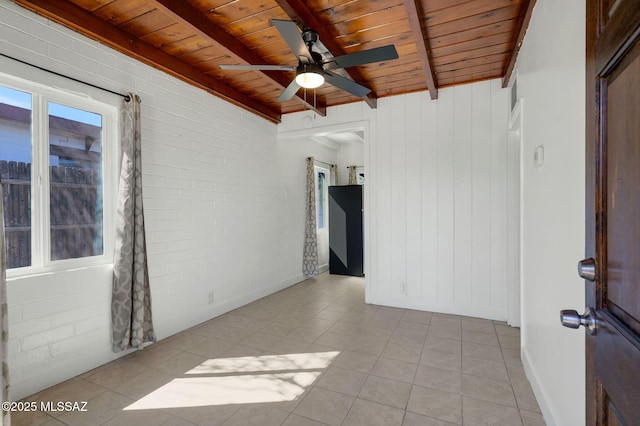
(440, 42)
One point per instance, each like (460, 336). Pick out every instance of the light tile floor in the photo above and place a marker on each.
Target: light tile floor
(313, 354)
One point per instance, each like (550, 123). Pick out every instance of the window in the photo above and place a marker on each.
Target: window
(322, 191)
(54, 169)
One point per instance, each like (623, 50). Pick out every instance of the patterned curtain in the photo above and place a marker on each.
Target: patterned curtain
(310, 254)
(353, 175)
(6, 414)
(131, 297)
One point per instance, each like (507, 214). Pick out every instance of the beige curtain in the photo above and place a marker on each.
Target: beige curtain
(6, 414)
(353, 175)
(131, 297)
(310, 254)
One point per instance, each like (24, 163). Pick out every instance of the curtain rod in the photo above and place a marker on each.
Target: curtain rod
(357, 167)
(321, 162)
(126, 97)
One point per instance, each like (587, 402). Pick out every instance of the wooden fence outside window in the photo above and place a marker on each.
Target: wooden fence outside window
(75, 212)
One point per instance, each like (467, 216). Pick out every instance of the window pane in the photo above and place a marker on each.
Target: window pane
(15, 171)
(321, 200)
(75, 149)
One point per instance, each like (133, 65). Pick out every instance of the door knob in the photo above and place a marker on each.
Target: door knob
(587, 269)
(572, 319)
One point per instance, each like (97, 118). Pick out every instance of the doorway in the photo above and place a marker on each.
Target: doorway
(349, 141)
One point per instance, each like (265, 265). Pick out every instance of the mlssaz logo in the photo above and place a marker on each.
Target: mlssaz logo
(63, 406)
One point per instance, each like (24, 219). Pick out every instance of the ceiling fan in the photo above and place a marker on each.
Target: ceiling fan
(313, 69)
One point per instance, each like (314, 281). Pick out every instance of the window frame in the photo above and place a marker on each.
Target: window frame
(327, 181)
(41, 95)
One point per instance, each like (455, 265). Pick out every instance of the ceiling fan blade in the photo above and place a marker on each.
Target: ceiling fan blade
(377, 54)
(289, 32)
(258, 67)
(346, 84)
(290, 91)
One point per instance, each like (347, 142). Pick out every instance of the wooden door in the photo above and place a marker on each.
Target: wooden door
(613, 211)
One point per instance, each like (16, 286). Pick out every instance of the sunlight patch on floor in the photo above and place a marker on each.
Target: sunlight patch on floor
(243, 380)
(246, 389)
(306, 361)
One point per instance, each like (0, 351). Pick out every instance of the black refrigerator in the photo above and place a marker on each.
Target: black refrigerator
(346, 237)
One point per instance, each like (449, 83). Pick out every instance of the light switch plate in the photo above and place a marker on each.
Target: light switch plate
(538, 156)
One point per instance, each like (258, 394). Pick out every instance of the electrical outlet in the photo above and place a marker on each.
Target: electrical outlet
(403, 288)
(212, 297)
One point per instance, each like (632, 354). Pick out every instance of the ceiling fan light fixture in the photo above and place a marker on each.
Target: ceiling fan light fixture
(309, 76)
(309, 80)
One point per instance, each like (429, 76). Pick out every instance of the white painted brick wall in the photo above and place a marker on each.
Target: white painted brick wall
(217, 215)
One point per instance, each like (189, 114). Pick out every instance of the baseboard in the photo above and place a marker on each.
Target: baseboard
(534, 380)
(257, 294)
(229, 305)
(442, 307)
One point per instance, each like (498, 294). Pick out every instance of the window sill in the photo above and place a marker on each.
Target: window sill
(61, 266)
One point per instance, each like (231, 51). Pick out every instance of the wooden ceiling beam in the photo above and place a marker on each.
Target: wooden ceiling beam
(304, 18)
(81, 21)
(419, 31)
(186, 14)
(521, 28)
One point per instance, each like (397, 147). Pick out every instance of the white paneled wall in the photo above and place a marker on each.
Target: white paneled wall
(439, 200)
(435, 197)
(224, 204)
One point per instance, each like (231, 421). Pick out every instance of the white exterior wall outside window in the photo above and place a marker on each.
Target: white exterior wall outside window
(59, 151)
